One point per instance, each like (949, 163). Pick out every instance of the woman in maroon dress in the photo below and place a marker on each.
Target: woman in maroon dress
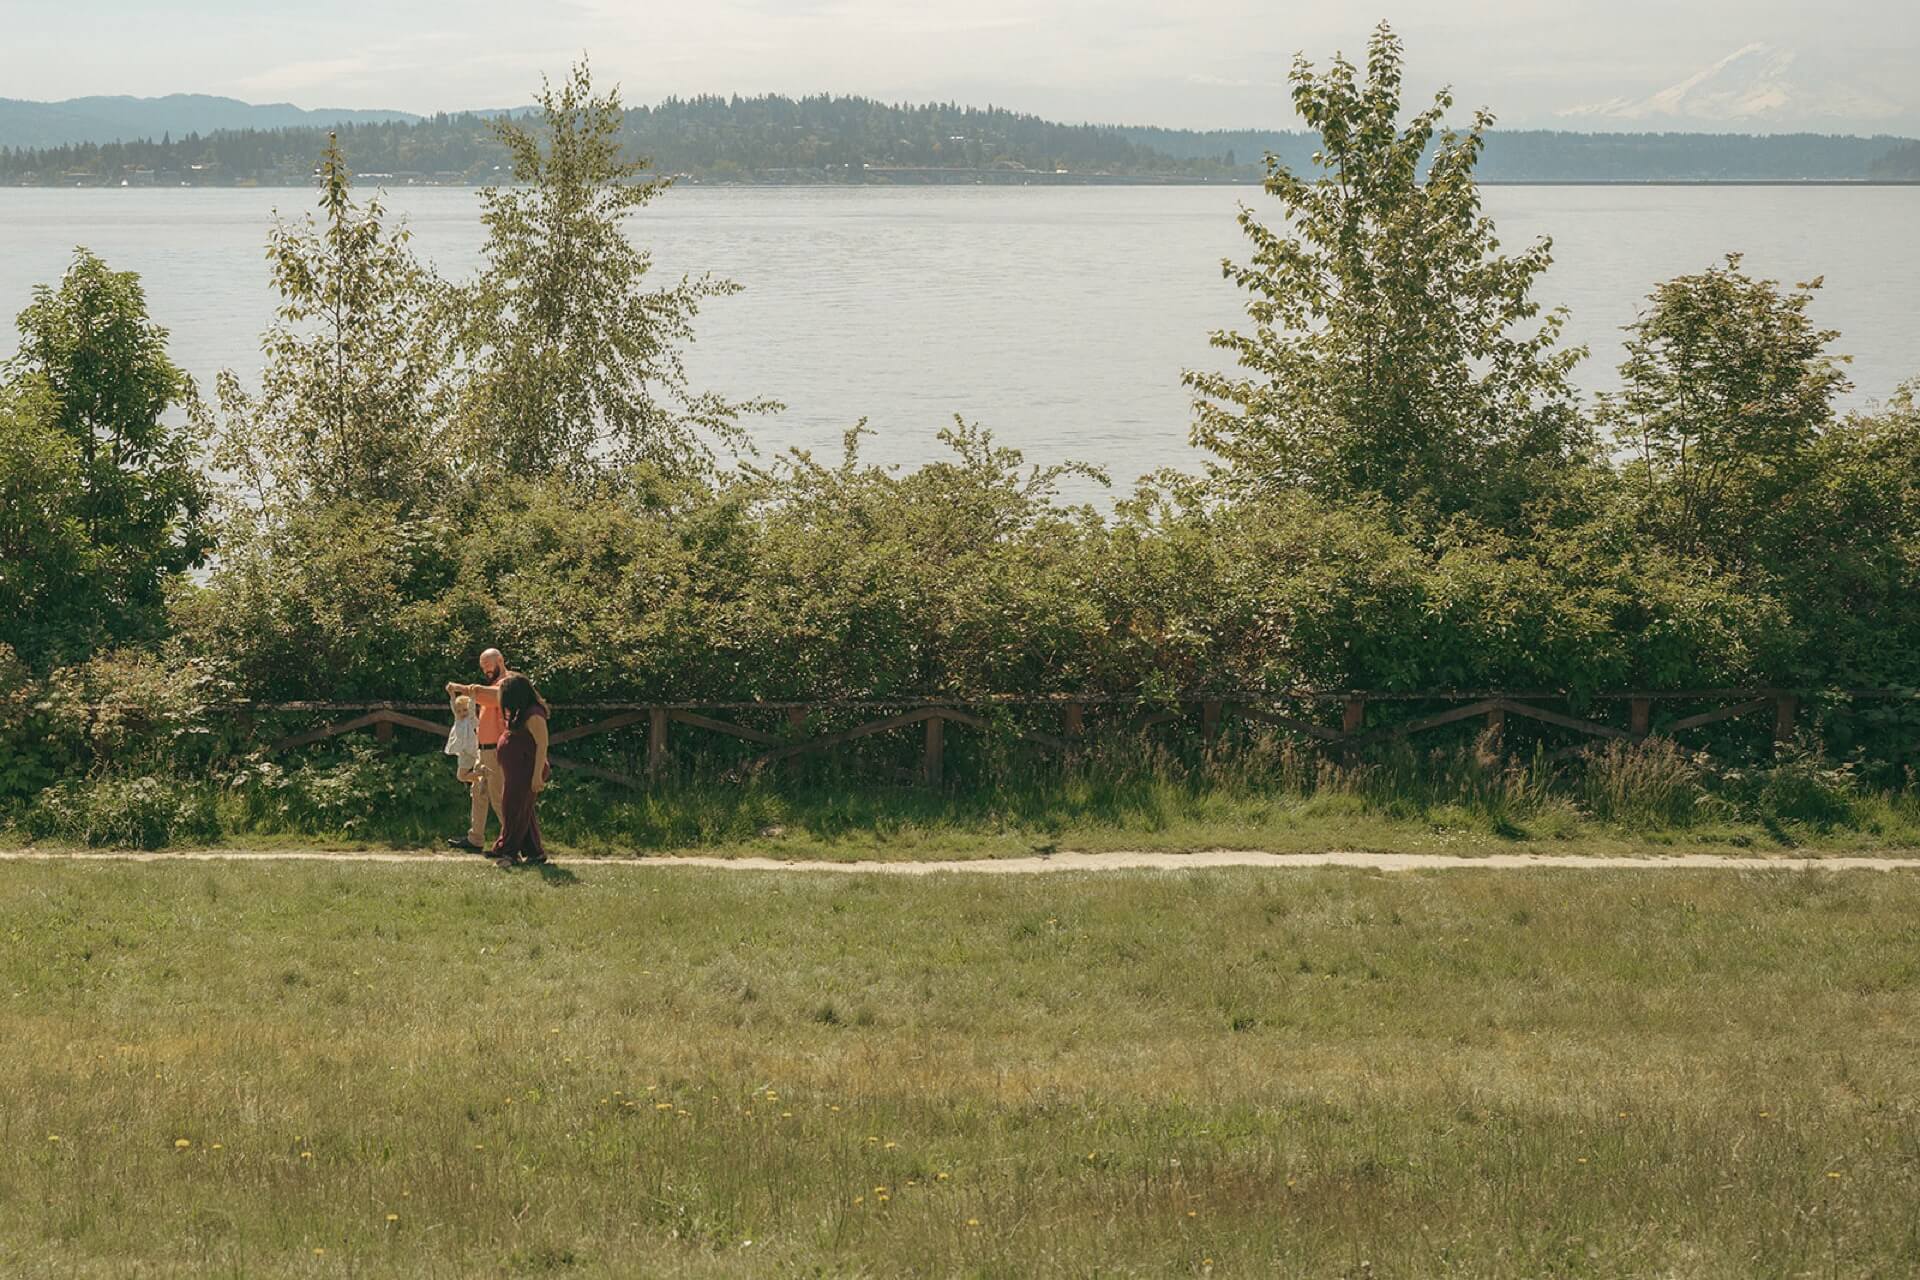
(521, 758)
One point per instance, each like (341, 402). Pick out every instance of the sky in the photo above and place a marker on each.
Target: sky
(1737, 65)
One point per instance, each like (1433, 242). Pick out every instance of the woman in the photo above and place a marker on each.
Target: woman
(521, 758)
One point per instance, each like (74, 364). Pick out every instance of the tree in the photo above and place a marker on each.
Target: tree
(352, 400)
(89, 392)
(1727, 386)
(1384, 357)
(576, 365)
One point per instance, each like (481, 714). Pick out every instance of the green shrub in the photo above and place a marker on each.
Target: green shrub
(142, 812)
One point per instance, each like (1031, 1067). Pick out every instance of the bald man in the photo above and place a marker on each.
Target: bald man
(487, 788)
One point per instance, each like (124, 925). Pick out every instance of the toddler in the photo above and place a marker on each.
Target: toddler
(463, 744)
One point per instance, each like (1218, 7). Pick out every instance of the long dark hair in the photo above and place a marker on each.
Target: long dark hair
(517, 695)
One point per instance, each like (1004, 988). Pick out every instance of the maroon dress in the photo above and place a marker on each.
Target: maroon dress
(519, 825)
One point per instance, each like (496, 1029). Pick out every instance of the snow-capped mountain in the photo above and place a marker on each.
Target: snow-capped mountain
(1758, 86)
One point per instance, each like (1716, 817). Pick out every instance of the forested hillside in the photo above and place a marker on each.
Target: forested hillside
(852, 139)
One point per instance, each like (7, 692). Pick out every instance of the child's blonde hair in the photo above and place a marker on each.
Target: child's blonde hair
(462, 707)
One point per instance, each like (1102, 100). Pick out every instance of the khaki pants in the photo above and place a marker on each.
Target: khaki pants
(486, 790)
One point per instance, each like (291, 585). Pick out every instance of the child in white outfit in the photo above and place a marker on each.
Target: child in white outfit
(463, 744)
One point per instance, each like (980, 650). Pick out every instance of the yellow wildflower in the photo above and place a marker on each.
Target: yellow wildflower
(393, 1217)
(181, 1144)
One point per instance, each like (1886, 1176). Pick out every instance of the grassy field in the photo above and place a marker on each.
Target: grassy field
(401, 1071)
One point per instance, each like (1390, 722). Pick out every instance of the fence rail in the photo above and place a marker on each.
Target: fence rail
(1491, 706)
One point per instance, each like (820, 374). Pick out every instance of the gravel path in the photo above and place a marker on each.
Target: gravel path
(1047, 863)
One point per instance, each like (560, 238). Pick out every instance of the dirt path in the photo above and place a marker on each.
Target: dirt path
(1046, 863)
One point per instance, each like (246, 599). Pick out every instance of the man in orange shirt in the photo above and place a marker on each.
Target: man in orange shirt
(488, 786)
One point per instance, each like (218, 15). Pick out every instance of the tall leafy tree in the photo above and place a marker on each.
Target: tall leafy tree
(1391, 352)
(576, 365)
(122, 506)
(1726, 387)
(352, 398)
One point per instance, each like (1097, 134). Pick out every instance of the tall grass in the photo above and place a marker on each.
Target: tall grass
(244, 1071)
(1252, 791)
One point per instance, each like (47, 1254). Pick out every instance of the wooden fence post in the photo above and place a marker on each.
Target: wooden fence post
(656, 740)
(796, 729)
(1784, 708)
(1354, 715)
(1210, 720)
(1497, 727)
(1640, 717)
(932, 761)
(383, 732)
(1075, 720)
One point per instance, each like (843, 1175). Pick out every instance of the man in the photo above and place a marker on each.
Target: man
(488, 787)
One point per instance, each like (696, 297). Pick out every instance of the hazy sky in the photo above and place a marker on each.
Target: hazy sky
(1200, 63)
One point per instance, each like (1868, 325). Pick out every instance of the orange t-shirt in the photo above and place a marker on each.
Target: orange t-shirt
(493, 721)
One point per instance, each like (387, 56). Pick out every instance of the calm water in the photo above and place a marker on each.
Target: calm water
(1061, 318)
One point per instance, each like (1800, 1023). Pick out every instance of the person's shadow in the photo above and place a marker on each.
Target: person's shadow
(556, 876)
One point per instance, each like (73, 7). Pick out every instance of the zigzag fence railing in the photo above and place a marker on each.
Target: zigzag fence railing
(1364, 718)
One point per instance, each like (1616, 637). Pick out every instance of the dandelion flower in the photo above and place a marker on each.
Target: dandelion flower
(941, 1177)
(885, 1199)
(786, 1115)
(973, 1222)
(833, 1108)
(393, 1217)
(1833, 1173)
(1193, 1213)
(859, 1200)
(663, 1106)
(218, 1146)
(181, 1144)
(319, 1252)
(479, 1146)
(53, 1137)
(1581, 1160)
(879, 1191)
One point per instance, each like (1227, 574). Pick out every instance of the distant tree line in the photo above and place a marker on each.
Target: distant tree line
(767, 138)
(852, 139)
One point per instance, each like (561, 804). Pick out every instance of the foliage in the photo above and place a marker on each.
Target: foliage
(123, 812)
(575, 363)
(352, 400)
(1383, 360)
(1725, 389)
(112, 506)
(1407, 498)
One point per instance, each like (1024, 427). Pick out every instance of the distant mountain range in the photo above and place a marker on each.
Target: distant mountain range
(1757, 87)
(125, 119)
(206, 141)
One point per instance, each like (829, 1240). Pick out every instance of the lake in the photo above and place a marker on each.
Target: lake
(1059, 317)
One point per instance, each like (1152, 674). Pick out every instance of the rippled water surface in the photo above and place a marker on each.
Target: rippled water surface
(1061, 318)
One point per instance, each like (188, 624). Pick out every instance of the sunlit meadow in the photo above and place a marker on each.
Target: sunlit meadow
(387, 1070)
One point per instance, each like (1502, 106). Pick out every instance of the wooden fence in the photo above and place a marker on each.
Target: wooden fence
(1365, 718)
